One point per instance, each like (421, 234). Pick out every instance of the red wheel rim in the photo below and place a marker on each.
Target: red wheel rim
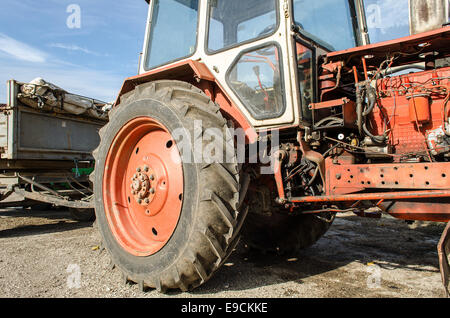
(143, 186)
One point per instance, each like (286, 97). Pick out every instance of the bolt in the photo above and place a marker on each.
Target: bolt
(146, 168)
(152, 190)
(138, 169)
(338, 176)
(152, 177)
(139, 201)
(147, 201)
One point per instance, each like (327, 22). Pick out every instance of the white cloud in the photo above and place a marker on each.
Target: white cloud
(21, 51)
(25, 63)
(73, 47)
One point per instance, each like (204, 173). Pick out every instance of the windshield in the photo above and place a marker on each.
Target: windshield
(173, 31)
(328, 20)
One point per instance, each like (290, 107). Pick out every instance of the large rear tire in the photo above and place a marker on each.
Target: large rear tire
(179, 235)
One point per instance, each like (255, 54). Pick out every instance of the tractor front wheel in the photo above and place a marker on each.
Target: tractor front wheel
(168, 218)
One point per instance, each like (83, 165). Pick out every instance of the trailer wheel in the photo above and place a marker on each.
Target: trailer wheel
(167, 222)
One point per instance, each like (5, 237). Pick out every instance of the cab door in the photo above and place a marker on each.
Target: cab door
(247, 47)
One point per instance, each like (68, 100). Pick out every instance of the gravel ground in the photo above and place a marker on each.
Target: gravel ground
(41, 254)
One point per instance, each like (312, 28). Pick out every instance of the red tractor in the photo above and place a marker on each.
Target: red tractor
(264, 119)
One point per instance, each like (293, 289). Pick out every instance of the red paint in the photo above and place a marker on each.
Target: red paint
(398, 45)
(419, 108)
(196, 73)
(399, 110)
(142, 220)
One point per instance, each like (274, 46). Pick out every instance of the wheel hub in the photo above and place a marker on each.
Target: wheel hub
(143, 185)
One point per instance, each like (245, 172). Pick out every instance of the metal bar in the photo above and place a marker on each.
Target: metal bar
(54, 200)
(362, 22)
(349, 178)
(329, 104)
(39, 185)
(45, 150)
(373, 196)
(365, 68)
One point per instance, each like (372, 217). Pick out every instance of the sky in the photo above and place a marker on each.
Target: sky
(87, 47)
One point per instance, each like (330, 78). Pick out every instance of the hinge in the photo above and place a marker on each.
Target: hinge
(286, 9)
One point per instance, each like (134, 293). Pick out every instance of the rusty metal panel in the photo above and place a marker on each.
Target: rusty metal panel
(29, 134)
(352, 178)
(419, 210)
(42, 136)
(427, 15)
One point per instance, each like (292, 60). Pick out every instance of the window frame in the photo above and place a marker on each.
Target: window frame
(315, 80)
(353, 20)
(149, 30)
(212, 52)
(282, 111)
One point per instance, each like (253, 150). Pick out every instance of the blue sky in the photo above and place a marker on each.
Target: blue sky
(93, 60)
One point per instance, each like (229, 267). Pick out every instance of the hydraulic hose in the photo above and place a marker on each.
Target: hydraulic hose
(359, 108)
(370, 93)
(371, 98)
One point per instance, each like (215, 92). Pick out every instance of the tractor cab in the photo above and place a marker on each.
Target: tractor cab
(249, 48)
(263, 53)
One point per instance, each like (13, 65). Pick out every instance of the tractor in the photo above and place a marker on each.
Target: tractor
(260, 120)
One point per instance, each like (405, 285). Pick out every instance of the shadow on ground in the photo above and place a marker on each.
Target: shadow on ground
(27, 222)
(387, 242)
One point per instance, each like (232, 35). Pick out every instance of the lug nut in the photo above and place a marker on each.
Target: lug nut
(152, 177)
(147, 201)
(138, 169)
(152, 190)
(146, 168)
